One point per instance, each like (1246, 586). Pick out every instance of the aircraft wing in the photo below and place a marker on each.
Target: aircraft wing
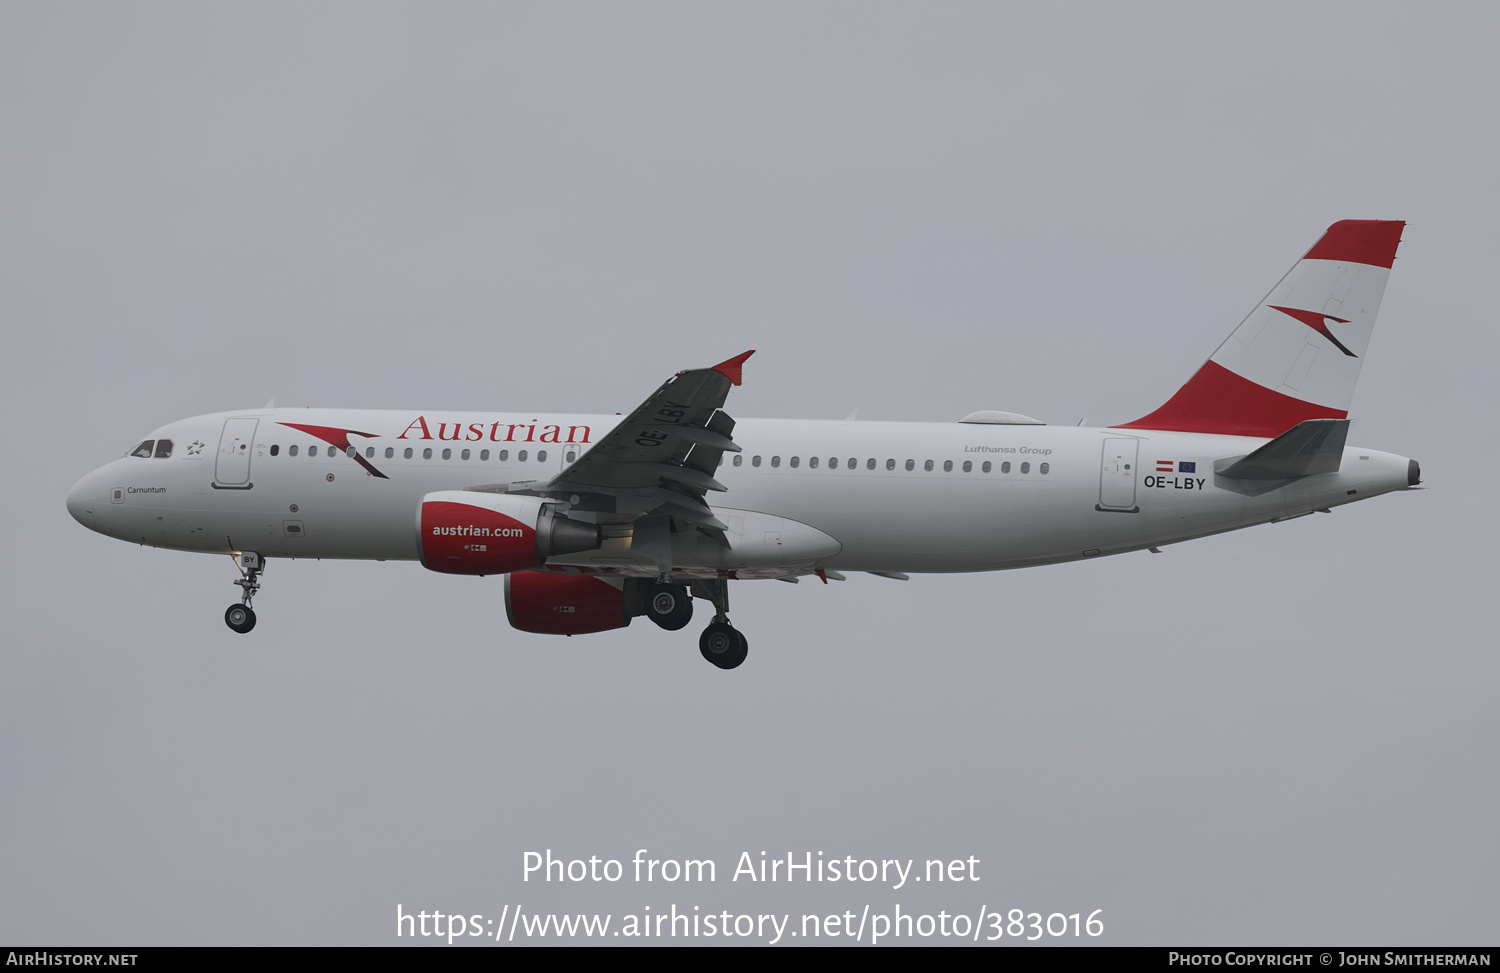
(662, 457)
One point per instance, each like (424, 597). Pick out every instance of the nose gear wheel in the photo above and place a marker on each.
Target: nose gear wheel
(240, 618)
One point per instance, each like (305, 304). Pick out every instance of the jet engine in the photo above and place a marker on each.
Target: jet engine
(564, 604)
(462, 532)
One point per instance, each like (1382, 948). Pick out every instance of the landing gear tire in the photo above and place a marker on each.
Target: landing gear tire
(240, 618)
(723, 645)
(669, 606)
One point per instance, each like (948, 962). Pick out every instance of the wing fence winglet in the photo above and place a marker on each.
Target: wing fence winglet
(732, 368)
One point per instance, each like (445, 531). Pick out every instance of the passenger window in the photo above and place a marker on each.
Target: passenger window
(390, 452)
(464, 454)
(890, 464)
(833, 462)
(521, 455)
(406, 456)
(541, 456)
(986, 466)
(369, 452)
(291, 450)
(275, 449)
(739, 460)
(503, 455)
(775, 461)
(1025, 467)
(968, 467)
(812, 462)
(447, 454)
(484, 454)
(570, 457)
(794, 461)
(1005, 467)
(927, 466)
(312, 450)
(870, 463)
(911, 464)
(163, 448)
(143, 451)
(1043, 469)
(427, 453)
(755, 461)
(947, 466)
(351, 452)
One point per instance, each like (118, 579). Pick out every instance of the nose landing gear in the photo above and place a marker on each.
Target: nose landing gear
(241, 618)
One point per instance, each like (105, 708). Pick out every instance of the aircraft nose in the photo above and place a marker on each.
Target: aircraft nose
(81, 501)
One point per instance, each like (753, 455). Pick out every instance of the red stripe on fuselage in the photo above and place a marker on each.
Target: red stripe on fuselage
(1218, 401)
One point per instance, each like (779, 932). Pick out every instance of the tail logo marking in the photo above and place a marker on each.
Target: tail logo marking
(1318, 322)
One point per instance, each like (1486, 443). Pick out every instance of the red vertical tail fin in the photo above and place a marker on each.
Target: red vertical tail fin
(1297, 355)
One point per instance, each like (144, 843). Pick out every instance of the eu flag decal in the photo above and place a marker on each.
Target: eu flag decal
(1187, 467)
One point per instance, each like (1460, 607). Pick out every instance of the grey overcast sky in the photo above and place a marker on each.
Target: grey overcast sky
(1283, 735)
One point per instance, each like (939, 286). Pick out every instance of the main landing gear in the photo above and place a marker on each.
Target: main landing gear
(241, 618)
(721, 643)
(669, 606)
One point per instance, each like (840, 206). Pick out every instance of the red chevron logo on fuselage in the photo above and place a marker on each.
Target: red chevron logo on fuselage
(339, 438)
(1318, 322)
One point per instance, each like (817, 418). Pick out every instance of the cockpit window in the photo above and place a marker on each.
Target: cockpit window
(144, 449)
(163, 448)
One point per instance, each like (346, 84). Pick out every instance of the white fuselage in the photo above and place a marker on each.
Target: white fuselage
(1049, 494)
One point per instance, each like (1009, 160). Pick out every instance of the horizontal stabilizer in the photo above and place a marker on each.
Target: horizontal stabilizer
(1314, 446)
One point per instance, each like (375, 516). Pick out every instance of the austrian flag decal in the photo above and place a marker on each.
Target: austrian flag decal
(1170, 475)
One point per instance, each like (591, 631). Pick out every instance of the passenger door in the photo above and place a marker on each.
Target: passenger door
(233, 466)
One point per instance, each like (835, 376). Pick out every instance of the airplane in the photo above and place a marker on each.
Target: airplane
(593, 520)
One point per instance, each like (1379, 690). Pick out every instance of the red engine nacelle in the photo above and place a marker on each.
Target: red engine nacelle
(462, 532)
(563, 604)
